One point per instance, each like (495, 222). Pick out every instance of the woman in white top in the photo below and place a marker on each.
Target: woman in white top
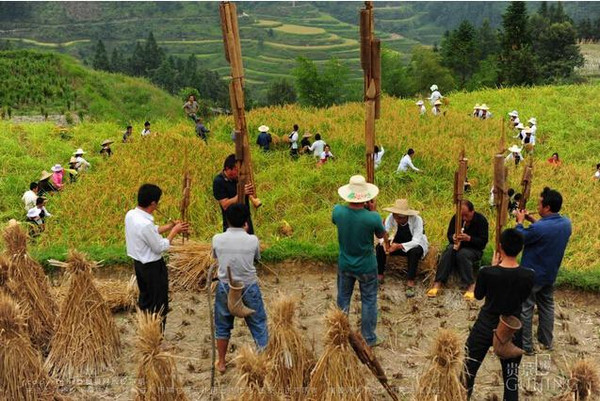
(435, 94)
(422, 109)
(294, 141)
(514, 155)
(378, 156)
(326, 155)
(436, 108)
(533, 126)
(317, 146)
(520, 134)
(514, 117)
(597, 173)
(81, 163)
(406, 161)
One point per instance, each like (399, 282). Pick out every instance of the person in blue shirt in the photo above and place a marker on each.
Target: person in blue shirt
(264, 138)
(545, 241)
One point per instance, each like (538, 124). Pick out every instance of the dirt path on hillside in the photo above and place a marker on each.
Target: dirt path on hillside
(408, 326)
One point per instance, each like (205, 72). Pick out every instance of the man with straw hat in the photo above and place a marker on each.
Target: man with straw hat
(264, 138)
(519, 129)
(533, 125)
(484, 113)
(145, 245)
(514, 155)
(421, 106)
(44, 184)
(106, 151)
(436, 108)
(476, 111)
(409, 240)
(82, 164)
(356, 223)
(305, 143)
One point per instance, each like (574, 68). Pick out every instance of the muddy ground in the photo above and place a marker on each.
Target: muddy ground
(407, 324)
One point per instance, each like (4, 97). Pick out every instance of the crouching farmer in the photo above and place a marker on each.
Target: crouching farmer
(238, 294)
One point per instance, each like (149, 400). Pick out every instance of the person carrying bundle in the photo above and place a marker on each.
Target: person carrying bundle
(505, 286)
(238, 293)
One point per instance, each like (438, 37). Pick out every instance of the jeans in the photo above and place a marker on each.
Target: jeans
(256, 322)
(543, 297)
(479, 342)
(413, 256)
(462, 261)
(367, 283)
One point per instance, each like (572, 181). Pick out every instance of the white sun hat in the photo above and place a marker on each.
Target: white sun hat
(420, 103)
(514, 113)
(263, 128)
(514, 148)
(484, 107)
(434, 87)
(79, 152)
(401, 207)
(56, 168)
(532, 120)
(358, 190)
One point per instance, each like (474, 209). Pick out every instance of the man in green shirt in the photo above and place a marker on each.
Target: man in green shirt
(356, 223)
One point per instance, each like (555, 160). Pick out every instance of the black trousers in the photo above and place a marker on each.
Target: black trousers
(462, 261)
(413, 256)
(479, 342)
(153, 282)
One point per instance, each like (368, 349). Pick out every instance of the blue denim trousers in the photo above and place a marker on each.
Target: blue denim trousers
(367, 283)
(257, 322)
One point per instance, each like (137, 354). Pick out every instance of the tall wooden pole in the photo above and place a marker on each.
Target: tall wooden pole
(233, 55)
(459, 190)
(370, 60)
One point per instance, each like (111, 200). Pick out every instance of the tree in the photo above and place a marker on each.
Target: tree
(213, 88)
(558, 52)
(164, 76)
(153, 55)
(488, 40)
(518, 65)
(307, 82)
(321, 89)
(281, 92)
(460, 52)
(100, 61)
(394, 78)
(136, 64)
(425, 69)
(117, 62)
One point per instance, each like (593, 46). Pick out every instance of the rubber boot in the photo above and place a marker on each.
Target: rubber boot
(503, 345)
(235, 304)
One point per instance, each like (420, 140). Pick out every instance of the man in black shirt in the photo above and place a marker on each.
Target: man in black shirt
(471, 242)
(505, 286)
(225, 189)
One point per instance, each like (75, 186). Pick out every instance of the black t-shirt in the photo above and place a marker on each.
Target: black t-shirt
(403, 234)
(225, 189)
(504, 289)
(477, 229)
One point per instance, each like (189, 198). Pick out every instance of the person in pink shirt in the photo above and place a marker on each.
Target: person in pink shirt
(57, 176)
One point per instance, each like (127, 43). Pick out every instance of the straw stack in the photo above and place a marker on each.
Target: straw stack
(188, 265)
(157, 373)
(118, 294)
(253, 369)
(442, 381)
(584, 383)
(86, 340)
(338, 374)
(22, 376)
(289, 358)
(26, 282)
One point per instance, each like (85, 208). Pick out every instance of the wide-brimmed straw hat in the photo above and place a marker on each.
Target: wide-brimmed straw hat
(484, 107)
(79, 152)
(56, 168)
(45, 175)
(107, 142)
(520, 126)
(476, 107)
(420, 103)
(72, 160)
(437, 103)
(514, 113)
(514, 148)
(532, 120)
(358, 190)
(307, 135)
(433, 87)
(401, 207)
(263, 128)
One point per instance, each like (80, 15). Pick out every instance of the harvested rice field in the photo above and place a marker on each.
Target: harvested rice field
(409, 327)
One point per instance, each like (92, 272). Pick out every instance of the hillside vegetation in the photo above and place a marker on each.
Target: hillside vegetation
(51, 83)
(89, 214)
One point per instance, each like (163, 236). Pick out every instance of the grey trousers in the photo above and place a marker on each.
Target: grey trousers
(462, 261)
(543, 297)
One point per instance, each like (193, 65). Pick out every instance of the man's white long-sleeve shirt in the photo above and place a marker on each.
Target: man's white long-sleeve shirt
(405, 163)
(144, 243)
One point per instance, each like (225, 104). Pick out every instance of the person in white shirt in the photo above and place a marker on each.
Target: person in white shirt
(422, 109)
(533, 125)
(435, 94)
(145, 245)
(30, 197)
(378, 156)
(484, 112)
(81, 163)
(326, 155)
(406, 161)
(317, 146)
(146, 131)
(597, 173)
(436, 108)
(514, 118)
(293, 137)
(476, 111)
(514, 155)
(520, 134)
(38, 213)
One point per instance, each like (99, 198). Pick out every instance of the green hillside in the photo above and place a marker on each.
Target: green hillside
(50, 83)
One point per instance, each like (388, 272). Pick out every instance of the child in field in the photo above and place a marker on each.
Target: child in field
(326, 155)
(201, 130)
(378, 156)
(237, 250)
(127, 134)
(422, 109)
(146, 131)
(555, 160)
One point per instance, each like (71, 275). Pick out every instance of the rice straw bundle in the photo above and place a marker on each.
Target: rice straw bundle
(253, 369)
(442, 381)
(86, 341)
(22, 375)
(119, 295)
(188, 265)
(290, 360)
(27, 283)
(338, 374)
(584, 383)
(157, 373)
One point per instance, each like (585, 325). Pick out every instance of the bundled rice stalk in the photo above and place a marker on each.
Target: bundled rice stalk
(157, 373)
(86, 341)
(188, 265)
(253, 369)
(338, 374)
(584, 383)
(27, 283)
(119, 295)
(22, 375)
(442, 381)
(289, 358)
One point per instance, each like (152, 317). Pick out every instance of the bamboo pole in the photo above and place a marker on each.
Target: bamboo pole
(526, 184)
(459, 190)
(233, 55)
(500, 196)
(370, 132)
